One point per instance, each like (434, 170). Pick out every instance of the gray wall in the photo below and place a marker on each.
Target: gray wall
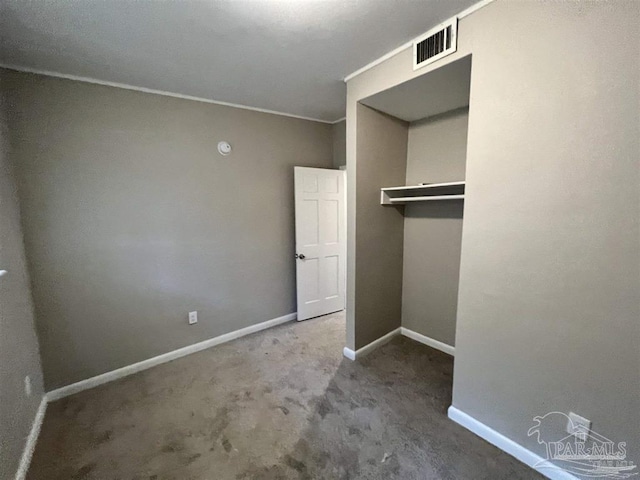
(19, 355)
(132, 219)
(339, 144)
(550, 273)
(382, 141)
(437, 151)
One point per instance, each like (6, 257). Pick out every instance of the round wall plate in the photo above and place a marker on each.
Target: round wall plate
(224, 148)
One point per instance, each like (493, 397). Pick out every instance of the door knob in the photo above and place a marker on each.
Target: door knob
(300, 256)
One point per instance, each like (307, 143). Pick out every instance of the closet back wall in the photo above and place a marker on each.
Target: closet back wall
(132, 219)
(437, 152)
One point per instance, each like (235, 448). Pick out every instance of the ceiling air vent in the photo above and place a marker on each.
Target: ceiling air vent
(435, 44)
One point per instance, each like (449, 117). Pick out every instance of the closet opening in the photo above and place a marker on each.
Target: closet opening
(411, 163)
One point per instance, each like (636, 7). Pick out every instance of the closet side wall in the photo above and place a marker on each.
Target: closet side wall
(382, 148)
(437, 149)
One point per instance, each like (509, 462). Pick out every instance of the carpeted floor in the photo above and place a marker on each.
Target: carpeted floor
(279, 404)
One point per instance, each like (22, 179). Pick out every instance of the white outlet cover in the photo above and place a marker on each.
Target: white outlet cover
(578, 426)
(193, 318)
(27, 385)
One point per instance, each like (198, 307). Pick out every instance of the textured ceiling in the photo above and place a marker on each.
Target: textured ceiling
(284, 55)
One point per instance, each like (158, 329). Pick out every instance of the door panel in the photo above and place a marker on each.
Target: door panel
(332, 270)
(310, 280)
(331, 220)
(320, 241)
(310, 231)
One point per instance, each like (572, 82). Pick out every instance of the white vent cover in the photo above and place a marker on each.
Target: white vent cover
(435, 44)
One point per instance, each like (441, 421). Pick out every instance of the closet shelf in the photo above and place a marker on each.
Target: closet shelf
(401, 200)
(422, 193)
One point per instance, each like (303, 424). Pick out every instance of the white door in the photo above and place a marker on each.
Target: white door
(320, 241)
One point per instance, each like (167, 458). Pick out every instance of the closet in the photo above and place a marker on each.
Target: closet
(425, 186)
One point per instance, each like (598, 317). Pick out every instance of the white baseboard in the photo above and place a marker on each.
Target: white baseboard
(32, 439)
(431, 342)
(352, 355)
(509, 446)
(443, 347)
(164, 358)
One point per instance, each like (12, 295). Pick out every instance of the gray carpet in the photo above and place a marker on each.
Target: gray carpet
(280, 404)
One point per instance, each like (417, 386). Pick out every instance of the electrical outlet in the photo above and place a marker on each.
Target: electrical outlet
(578, 426)
(193, 318)
(27, 385)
